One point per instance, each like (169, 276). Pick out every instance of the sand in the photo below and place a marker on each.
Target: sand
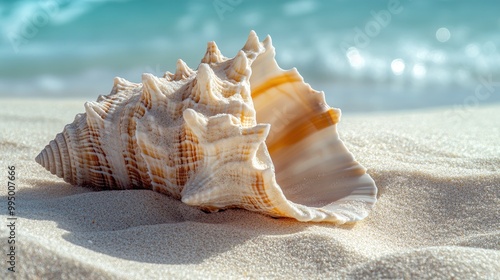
(438, 214)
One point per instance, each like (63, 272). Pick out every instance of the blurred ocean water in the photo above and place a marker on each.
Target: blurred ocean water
(365, 55)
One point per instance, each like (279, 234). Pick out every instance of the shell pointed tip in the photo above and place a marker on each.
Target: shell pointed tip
(203, 70)
(182, 70)
(189, 200)
(146, 76)
(268, 40)
(39, 159)
(181, 66)
(118, 80)
(241, 61)
(239, 68)
(213, 54)
(252, 43)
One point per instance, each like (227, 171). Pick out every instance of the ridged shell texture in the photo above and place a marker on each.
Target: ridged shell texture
(237, 132)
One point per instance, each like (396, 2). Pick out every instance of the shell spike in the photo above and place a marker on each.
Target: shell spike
(204, 82)
(151, 91)
(55, 158)
(182, 71)
(252, 43)
(213, 54)
(268, 42)
(95, 111)
(204, 74)
(168, 76)
(121, 84)
(239, 67)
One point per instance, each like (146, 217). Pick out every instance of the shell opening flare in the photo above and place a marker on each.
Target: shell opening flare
(235, 133)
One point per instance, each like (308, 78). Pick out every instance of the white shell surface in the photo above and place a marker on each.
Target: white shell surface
(237, 132)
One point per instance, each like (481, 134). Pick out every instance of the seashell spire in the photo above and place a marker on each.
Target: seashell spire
(239, 67)
(239, 132)
(183, 71)
(213, 55)
(252, 45)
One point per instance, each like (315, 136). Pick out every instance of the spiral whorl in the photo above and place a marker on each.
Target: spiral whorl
(56, 159)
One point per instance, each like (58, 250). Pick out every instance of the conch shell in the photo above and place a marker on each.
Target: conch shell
(237, 132)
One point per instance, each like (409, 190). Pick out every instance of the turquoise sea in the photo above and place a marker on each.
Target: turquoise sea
(366, 55)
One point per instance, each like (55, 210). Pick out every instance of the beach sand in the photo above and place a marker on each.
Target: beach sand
(437, 217)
